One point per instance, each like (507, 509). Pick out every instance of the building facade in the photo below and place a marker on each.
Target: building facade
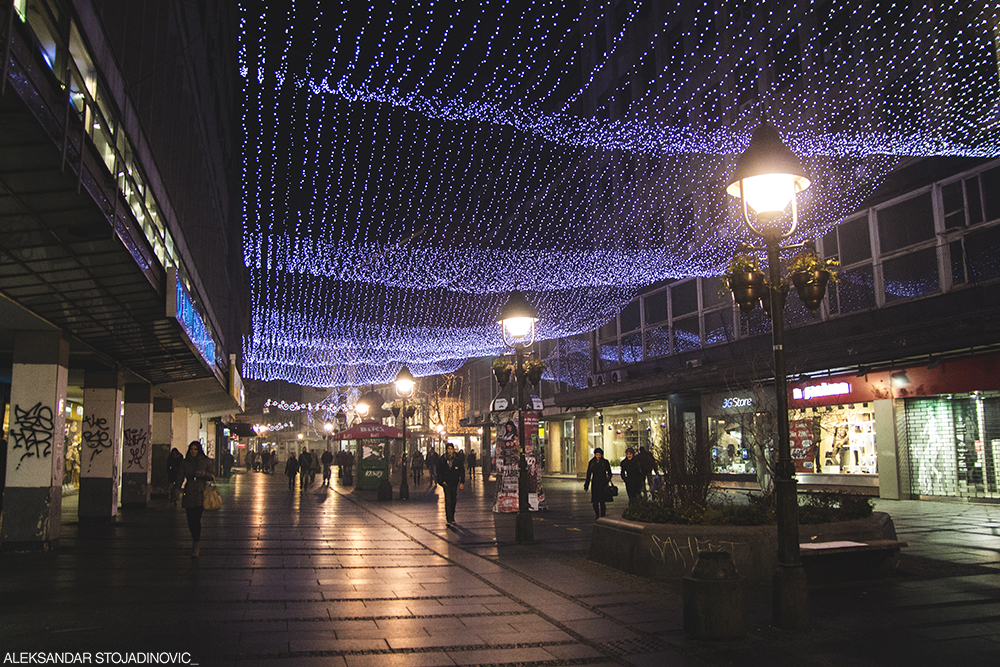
(123, 292)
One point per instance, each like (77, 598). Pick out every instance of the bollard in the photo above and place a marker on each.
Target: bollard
(715, 598)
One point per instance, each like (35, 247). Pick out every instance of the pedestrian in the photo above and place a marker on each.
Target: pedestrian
(472, 465)
(291, 468)
(175, 461)
(451, 476)
(251, 460)
(418, 466)
(273, 461)
(599, 481)
(265, 461)
(196, 472)
(632, 474)
(227, 463)
(648, 464)
(432, 461)
(305, 466)
(327, 460)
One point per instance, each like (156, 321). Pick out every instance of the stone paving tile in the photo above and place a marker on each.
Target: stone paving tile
(450, 639)
(337, 645)
(423, 659)
(500, 656)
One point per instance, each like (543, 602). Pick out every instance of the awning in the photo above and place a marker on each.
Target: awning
(369, 429)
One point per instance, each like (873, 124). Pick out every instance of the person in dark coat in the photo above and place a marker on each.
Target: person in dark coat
(305, 468)
(175, 460)
(648, 464)
(451, 476)
(196, 472)
(599, 481)
(417, 466)
(432, 461)
(632, 474)
(291, 469)
(327, 461)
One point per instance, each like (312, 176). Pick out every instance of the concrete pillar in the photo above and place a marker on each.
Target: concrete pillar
(582, 431)
(101, 449)
(179, 437)
(162, 441)
(32, 497)
(887, 451)
(137, 436)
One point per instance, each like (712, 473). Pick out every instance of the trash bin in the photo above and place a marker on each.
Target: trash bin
(715, 598)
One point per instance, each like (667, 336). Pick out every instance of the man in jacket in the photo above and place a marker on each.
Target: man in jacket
(451, 476)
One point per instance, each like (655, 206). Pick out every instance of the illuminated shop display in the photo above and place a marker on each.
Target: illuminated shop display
(405, 167)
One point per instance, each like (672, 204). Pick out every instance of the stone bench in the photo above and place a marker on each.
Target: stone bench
(848, 554)
(670, 551)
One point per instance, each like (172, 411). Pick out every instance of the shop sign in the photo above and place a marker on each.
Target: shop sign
(731, 402)
(822, 390)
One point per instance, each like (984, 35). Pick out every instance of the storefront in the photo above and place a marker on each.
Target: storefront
(740, 430)
(916, 431)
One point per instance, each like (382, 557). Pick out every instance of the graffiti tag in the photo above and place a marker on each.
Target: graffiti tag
(98, 438)
(136, 441)
(685, 550)
(34, 431)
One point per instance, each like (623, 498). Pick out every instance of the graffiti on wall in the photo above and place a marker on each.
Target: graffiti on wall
(136, 443)
(32, 432)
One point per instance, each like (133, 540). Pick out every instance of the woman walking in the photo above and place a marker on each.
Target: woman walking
(598, 474)
(196, 472)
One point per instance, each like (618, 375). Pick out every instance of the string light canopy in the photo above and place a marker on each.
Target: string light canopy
(406, 166)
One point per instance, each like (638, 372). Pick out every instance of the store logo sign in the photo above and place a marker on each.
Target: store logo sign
(821, 391)
(733, 402)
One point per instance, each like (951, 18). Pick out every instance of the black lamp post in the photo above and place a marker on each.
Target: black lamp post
(517, 320)
(404, 389)
(768, 177)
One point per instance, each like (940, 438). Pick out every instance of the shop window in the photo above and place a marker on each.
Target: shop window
(657, 342)
(719, 327)
(655, 307)
(855, 241)
(629, 318)
(982, 250)
(729, 455)
(687, 334)
(856, 290)
(912, 275)
(631, 348)
(684, 297)
(906, 223)
(836, 440)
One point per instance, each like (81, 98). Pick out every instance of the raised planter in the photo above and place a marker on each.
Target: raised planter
(668, 551)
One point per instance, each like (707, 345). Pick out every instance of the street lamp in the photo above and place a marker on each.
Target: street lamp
(404, 389)
(517, 320)
(767, 179)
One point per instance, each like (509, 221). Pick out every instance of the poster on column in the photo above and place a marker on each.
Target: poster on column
(800, 435)
(507, 455)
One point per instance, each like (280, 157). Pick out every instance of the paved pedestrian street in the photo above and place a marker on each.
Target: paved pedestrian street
(330, 577)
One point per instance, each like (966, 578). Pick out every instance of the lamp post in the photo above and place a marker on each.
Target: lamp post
(767, 179)
(404, 389)
(517, 320)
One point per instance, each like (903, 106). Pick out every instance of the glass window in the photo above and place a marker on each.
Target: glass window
(719, 327)
(982, 254)
(855, 289)
(911, 275)
(684, 297)
(906, 223)
(957, 262)
(687, 334)
(630, 317)
(954, 205)
(830, 247)
(609, 330)
(632, 348)
(655, 307)
(713, 293)
(991, 192)
(855, 242)
(974, 200)
(755, 323)
(657, 342)
(608, 355)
